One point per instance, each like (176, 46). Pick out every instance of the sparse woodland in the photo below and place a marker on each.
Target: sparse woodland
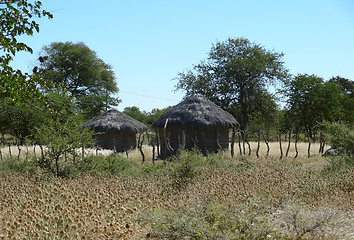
(56, 184)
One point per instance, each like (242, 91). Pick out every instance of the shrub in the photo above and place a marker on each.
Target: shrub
(113, 164)
(210, 221)
(62, 138)
(302, 221)
(341, 137)
(184, 168)
(14, 165)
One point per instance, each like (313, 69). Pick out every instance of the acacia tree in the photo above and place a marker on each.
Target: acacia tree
(236, 76)
(311, 101)
(347, 98)
(90, 81)
(15, 21)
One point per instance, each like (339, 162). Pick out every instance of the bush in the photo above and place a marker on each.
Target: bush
(113, 164)
(184, 168)
(341, 137)
(62, 138)
(14, 165)
(208, 221)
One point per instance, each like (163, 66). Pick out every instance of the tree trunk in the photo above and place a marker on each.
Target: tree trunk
(266, 142)
(309, 147)
(296, 140)
(259, 143)
(18, 148)
(157, 142)
(244, 142)
(153, 153)
(239, 142)
(281, 149)
(249, 148)
(232, 141)
(140, 146)
(287, 150)
(322, 143)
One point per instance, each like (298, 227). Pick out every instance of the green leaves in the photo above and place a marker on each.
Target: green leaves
(15, 21)
(312, 101)
(87, 77)
(235, 76)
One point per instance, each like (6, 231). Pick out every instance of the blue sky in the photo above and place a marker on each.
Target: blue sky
(149, 42)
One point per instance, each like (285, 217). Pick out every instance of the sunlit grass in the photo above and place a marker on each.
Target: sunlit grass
(127, 200)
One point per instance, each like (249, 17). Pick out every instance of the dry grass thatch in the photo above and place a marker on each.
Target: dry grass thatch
(115, 120)
(196, 110)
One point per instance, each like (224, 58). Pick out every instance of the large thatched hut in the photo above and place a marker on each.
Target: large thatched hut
(194, 122)
(116, 130)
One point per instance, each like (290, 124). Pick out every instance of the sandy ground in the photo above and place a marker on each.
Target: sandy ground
(135, 154)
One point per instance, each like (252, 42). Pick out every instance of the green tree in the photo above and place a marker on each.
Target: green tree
(312, 101)
(145, 117)
(90, 81)
(347, 98)
(15, 18)
(235, 76)
(155, 114)
(61, 133)
(135, 113)
(18, 120)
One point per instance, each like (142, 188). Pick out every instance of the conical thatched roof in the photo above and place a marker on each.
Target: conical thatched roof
(115, 120)
(198, 111)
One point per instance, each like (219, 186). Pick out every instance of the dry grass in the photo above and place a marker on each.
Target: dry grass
(93, 207)
(136, 155)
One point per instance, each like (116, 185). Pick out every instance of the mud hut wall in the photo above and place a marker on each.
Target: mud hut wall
(208, 139)
(117, 140)
(204, 139)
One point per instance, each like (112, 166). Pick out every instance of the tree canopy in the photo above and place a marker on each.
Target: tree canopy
(235, 76)
(311, 101)
(78, 68)
(15, 18)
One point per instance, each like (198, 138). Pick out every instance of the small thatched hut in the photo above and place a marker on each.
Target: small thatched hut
(194, 122)
(116, 130)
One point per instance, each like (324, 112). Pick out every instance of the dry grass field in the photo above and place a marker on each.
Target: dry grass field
(276, 199)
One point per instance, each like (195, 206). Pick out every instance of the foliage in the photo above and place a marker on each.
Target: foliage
(14, 165)
(267, 118)
(135, 113)
(184, 169)
(90, 81)
(341, 137)
(145, 117)
(18, 120)
(235, 76)
(209, 221)
(113, 164)
(347, 98)
(311, 101)
(61, 133)
(15, 18)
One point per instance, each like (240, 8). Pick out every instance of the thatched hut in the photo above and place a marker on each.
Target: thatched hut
(194, 122)
(116, 130)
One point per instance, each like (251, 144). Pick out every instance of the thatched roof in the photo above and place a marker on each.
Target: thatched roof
(115, 120)
(198, 111)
